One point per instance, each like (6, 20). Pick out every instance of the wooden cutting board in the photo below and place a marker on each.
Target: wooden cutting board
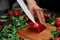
(44, 35)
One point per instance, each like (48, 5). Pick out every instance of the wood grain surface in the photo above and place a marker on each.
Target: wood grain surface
(44, 35)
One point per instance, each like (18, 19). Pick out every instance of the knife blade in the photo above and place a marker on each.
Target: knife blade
(25, 9)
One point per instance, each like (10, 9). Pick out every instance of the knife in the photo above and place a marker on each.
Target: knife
(25, 9)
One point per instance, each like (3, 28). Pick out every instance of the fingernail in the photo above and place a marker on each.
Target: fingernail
(44, 24)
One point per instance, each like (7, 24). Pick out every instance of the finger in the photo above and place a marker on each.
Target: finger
(32, 12)
(39, 16)
(42, 17)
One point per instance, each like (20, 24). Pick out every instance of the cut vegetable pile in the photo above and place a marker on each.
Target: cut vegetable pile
(18, 20)
(8, 31)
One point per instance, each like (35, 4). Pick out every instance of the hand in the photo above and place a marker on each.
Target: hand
(35, 9)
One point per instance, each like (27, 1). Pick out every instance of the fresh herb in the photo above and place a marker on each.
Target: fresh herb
(9, 32)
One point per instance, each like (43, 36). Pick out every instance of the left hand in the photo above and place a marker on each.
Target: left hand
(35, 9)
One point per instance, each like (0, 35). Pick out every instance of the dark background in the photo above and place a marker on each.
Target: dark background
(11, 2)
(51, 5)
